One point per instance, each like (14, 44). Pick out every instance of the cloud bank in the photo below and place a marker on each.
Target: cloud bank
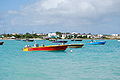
(67, 15)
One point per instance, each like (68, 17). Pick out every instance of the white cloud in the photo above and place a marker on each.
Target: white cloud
(65, 12)
(12, 12)
(50, 4)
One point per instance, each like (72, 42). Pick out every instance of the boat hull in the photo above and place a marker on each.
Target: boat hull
(75, 45)
(1, 43)
(28, 40)
(97, 43)
(18, 39)
(119, 40)
(76, 40)
(59, 41)
(47, 48)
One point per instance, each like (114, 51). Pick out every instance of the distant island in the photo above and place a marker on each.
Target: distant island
(58, 35)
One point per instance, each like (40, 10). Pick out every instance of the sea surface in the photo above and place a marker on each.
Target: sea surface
(92, 62)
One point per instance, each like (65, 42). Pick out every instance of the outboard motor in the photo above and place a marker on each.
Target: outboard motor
(26, 46)
(36, 45)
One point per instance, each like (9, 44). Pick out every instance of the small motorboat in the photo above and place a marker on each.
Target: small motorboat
(52, 39)
(28, 40)
(46, 48)
(97, 43)
(1, 43)
(18, 39)
(75, 45)
(76, 40)
(59, 41)
(118, 40)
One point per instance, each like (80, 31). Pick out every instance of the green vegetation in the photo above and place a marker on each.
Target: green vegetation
(22, 36)
(58, 35)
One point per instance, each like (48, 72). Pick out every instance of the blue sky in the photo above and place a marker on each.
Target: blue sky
(6, 5)
(84, 16)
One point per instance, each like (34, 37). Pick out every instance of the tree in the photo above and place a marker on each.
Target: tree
(17, 36)
(28, 35)
(59, 34)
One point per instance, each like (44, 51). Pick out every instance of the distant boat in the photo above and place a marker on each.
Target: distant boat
(75, 45)
(28, 40)
(52, 39)
(46, 48)
(1, 43)
(76, 40)
(118, 40)
(18, 39)
(59, 41)
(97, 43)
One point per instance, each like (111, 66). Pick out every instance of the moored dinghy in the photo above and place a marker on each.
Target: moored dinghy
(118, 40)
(59, 41)
(28, 40)
(1, 43)
(70, 45)
(75, 45)
(97, 42)
(76, 40)
(18, 39)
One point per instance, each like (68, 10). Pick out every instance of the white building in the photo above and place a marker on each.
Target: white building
(100, 35)
(64, 36)
(74, 33)
(115, 34)
(89, 36)
(15, 33)
(13, 37)
(52, 34)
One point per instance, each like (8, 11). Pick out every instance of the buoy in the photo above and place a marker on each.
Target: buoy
(70, 50)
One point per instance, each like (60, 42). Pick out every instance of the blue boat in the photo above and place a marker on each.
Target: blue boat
(97, 43)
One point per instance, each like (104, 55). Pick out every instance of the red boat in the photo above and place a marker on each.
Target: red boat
(46, 48)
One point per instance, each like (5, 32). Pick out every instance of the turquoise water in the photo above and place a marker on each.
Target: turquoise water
(92, 62)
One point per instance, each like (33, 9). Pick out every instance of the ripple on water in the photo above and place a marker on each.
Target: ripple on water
(92, 62)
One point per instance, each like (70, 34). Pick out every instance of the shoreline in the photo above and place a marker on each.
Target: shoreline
(58, 39)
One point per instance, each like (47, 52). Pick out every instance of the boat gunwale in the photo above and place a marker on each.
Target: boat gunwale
(46, 46)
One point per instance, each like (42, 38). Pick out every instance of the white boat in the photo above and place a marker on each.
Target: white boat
(118, 40)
